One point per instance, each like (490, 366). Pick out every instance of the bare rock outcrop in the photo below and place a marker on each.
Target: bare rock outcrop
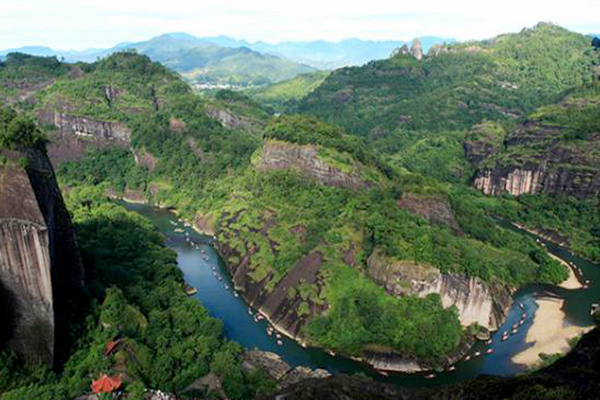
(86, 127)
(305, 159)
(474, 299)
(436, 210)
(276, 368)
(536, 158)
(229, 119)
(404, 50)
(41, 275)
(416, 50)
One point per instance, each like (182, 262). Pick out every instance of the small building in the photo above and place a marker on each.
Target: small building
(106, 384)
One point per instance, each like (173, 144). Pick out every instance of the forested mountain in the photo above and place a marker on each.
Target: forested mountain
(283, 96)
(351, 225)
(457, 85)
(318, 54)
(199, 61)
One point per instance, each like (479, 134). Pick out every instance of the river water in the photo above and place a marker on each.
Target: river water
(204, 269)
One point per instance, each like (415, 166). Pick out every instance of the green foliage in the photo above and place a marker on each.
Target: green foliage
(123, 87)
(283, 95)
(277, 218)
(136, 289)
(241, 66)
(498, 79)
(309, 130)
(23, 74)
(19, 132)
(578, 114)
(439, 156)
(361, 315)
(573, 219)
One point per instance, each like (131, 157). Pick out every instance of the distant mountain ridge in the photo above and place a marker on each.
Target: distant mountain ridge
(318, 54)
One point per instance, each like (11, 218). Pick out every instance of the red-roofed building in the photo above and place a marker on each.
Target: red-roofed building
(106, 384)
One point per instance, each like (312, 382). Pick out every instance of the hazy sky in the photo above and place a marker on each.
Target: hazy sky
(79, 24)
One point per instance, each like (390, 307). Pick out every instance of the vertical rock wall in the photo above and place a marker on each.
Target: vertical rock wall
(25, 268)
(40, 271)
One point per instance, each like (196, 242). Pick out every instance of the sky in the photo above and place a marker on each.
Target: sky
(80, 24)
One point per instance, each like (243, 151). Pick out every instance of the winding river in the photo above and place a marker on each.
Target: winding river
(204, 269)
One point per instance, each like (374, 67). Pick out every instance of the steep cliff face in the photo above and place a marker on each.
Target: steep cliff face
(555, 152)
(276, 303)
(475, 301)
(549, 176)
(86, 127)
(40, 267)
(305, 159)
(25, 267)
(229, 119)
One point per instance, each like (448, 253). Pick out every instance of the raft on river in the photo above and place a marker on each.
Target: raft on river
(189, 290)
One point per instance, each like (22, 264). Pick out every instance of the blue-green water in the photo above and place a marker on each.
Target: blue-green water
(202, 267)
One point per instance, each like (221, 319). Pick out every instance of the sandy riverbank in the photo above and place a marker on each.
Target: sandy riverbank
(572, 282)
(550, 332)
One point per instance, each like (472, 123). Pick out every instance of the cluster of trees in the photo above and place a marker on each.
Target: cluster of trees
(18, 131)
(167, 340)
(310, 130)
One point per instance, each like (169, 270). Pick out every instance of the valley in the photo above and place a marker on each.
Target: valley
(505, 360)
(422, 219)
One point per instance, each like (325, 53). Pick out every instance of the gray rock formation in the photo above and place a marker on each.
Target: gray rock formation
(276, 368)
(86, 127)
(535, 159)
(475, 300)
(305, 159)
(416, 50)
(436, 210)
(400, 51)
(231, 120)
(40, 271)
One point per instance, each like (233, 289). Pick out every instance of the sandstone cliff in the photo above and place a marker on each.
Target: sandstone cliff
(40, 269)
(475, 301)
(556, 152)
(306, 160)
(86, 127)
(75, 135)
(275, 303)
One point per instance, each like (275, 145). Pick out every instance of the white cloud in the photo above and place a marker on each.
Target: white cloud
(92, 23)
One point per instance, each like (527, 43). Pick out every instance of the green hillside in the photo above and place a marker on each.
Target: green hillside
(457, 85)
(376, 167)
(239, 67)
(283, 95)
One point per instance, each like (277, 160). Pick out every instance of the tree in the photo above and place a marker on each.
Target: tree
(596, 43)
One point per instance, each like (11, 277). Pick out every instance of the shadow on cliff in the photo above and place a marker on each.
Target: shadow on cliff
(8, 316)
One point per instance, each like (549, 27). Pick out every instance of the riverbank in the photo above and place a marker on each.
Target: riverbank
(550, 332)
(572, 282)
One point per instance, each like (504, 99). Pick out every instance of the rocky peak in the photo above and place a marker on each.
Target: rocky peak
(416, 50)
(400, 51)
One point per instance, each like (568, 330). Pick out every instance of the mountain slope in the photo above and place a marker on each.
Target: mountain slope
(318, 232)
(282, 95)
(240, 66)
(456, 85)
(318, 54)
